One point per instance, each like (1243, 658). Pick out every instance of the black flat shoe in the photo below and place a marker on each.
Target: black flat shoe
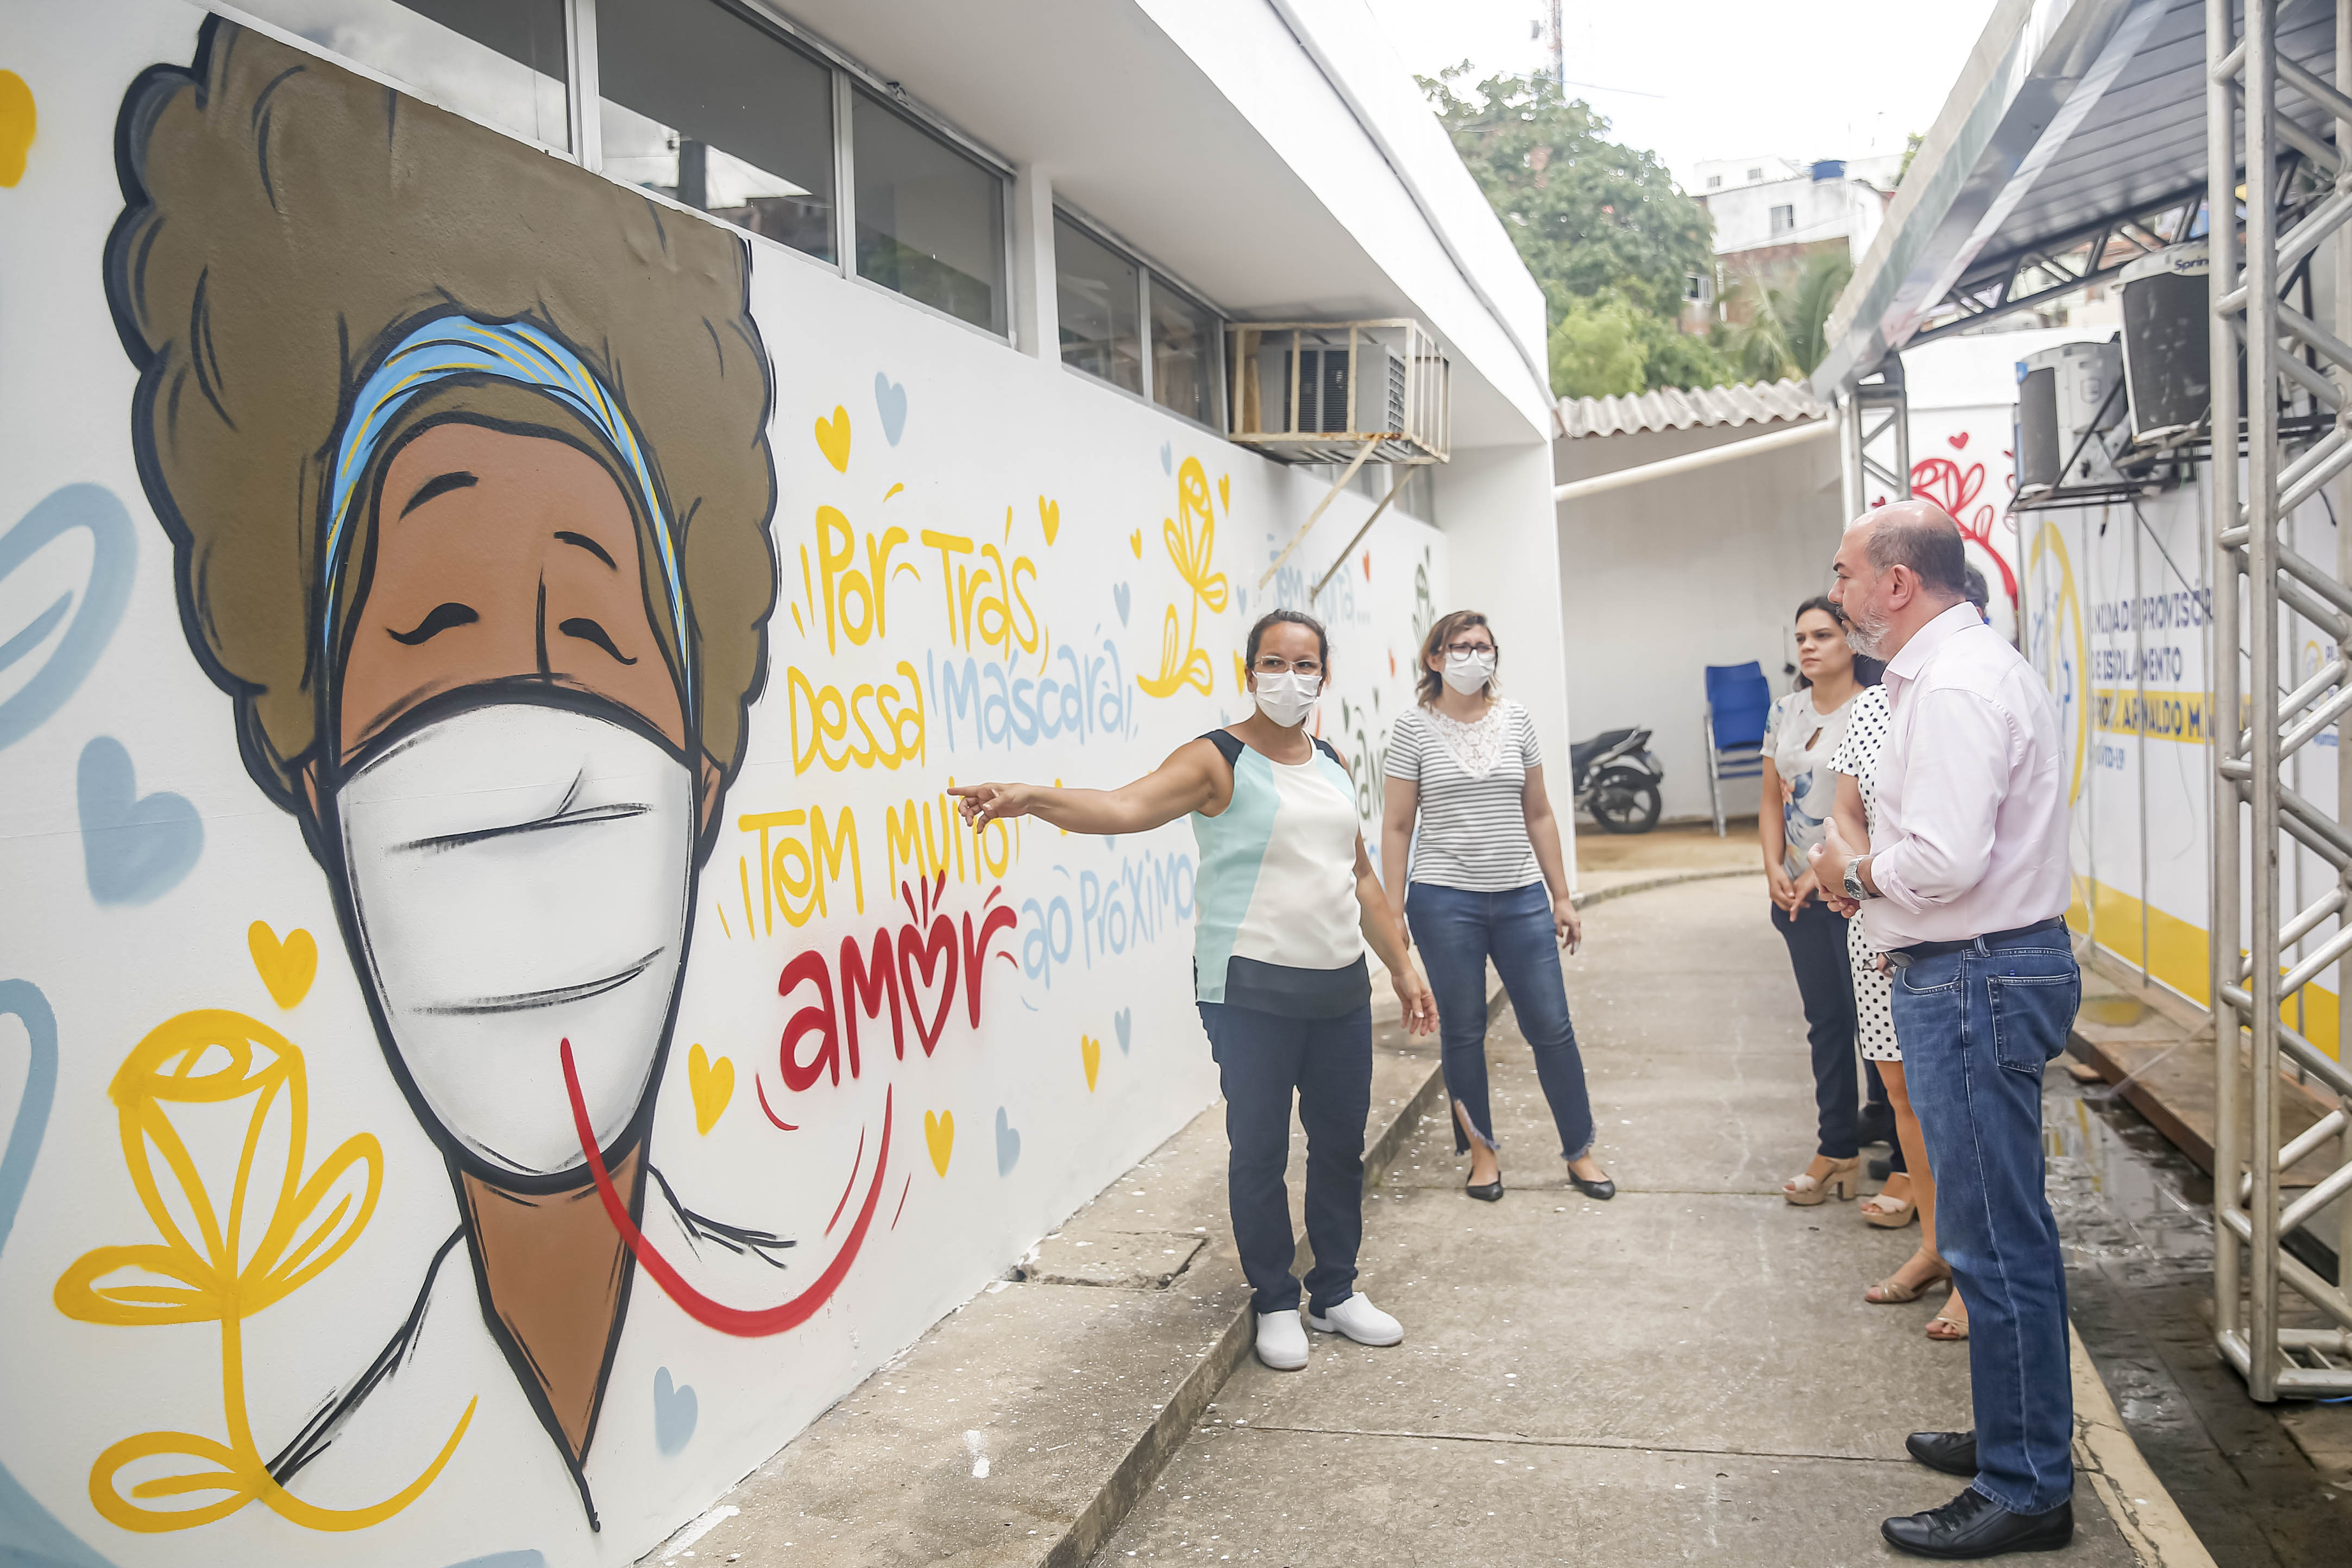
(1487, 1192)
(1953, 1453)
(1600, 1191)
(1972, 1525)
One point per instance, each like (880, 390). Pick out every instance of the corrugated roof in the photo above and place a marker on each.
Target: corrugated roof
(1679, 408)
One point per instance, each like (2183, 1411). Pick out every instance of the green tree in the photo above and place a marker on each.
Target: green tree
(1788, 333)
(1605, 231)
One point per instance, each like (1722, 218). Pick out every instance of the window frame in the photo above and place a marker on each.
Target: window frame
(892, 99)
(1149, 272)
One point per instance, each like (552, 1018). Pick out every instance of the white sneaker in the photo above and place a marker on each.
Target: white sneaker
(1281, 1343)
(1358, 1319)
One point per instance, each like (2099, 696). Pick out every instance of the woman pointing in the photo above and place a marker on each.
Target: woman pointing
(1287, 901)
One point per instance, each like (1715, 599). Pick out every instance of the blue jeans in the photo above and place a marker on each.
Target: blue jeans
(1976, 1027)
(1261, 1057)
(1816, 939)
(1456, 933)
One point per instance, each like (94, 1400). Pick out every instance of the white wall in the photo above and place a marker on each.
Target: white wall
(1659, 580)
(157, 894)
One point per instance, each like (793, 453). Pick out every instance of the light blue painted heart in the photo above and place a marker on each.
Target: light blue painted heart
(1008, 1144)
(1167, 459)
(1241, 600)
(675, 1413)
(135, 848)
(529, 1557)
(890, 402)
(1124, 1021)
(114, 552)
(1120, 597)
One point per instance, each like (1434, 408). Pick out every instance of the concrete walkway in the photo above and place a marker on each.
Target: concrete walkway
(1687, 1373)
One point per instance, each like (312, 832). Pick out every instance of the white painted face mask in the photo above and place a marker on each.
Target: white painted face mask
(520, 874)
(1287, 698)
(1468, 673)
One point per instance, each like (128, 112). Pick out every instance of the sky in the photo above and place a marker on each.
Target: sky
(1695, 79)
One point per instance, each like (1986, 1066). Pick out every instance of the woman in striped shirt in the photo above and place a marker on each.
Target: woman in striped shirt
(1485, 879)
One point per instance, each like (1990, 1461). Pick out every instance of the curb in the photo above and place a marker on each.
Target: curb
(2151, 1522)
(1664, 878)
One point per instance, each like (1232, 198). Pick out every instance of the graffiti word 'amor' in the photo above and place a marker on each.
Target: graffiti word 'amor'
(797, 858)
(929, 838)
(910, 976)
(856, 603)
(986, 604)
(889, 718)
(1081, 699)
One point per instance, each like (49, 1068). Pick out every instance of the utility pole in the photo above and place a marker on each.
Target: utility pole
(1559, 51)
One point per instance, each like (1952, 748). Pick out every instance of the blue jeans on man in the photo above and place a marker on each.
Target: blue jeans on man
(1977, 1026)
(1457, 931)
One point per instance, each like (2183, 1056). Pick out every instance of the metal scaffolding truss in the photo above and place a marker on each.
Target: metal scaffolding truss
(2046, 272)
(2293, 364)
(1874, 440)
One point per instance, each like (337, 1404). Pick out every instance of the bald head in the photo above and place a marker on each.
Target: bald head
(1898, 568)
(1919, 535)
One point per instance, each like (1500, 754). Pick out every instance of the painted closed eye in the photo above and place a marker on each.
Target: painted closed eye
(442, 618)
(587, 630)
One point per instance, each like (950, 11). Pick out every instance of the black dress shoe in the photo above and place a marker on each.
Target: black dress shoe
(1875, 1125)
(1485, 1192)
(1878, 1169)
(1600, 1191)
(1972, 1525)
(1953, 1453)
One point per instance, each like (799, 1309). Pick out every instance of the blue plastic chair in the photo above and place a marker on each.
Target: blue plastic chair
(1739, 703)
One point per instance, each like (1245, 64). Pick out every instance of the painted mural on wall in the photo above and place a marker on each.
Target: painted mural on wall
(1962, 459)
(511, 1025)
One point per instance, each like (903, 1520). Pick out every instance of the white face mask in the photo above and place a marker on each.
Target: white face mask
(520, 875)
(1468, 673)
(1287, 698)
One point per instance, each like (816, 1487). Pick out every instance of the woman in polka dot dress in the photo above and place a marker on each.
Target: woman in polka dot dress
(1856, 762)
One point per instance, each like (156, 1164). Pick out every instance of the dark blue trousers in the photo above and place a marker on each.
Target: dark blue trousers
(1262, 1059)
(1976, 1027)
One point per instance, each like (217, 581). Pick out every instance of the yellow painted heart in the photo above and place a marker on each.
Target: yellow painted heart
(1049, 515)
(1090, 1052)
(287, 967)
(1225, 490)
(18, 118)
(713, 1083)
(1135, 543)
(833, 439)
(938, 1131)
(1240, 674)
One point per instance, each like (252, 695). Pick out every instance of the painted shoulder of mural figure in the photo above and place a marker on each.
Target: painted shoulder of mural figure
(463, 456)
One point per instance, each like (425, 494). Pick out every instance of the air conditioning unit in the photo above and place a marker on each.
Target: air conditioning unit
(2070, 414)
(1323, 386)
(2168, 341)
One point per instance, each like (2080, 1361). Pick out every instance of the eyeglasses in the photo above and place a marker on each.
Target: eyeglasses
(1469, 647)
(1274, 665)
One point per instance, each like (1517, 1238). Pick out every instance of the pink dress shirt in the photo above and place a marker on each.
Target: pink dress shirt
(1972, 821)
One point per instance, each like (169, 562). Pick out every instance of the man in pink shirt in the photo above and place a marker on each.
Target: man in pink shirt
(1967, 879)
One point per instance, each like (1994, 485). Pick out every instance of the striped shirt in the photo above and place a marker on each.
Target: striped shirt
(1473, 779)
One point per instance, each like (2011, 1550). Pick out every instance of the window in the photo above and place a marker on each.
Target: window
(1698, 287)
(1100, 296)
(1184, 341)
(701, 105)
(1784, 220)
(1754, 175)
(931, 219)
(1714, 182)
(499, 61)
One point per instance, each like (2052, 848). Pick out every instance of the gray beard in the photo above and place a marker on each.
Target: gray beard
(1864, 638)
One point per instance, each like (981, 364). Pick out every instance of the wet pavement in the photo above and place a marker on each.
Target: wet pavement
(2262, 1484)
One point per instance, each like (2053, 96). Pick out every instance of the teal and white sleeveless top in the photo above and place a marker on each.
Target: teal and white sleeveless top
(1277, 921)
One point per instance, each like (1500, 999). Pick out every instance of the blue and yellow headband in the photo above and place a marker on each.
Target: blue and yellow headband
(515, 351)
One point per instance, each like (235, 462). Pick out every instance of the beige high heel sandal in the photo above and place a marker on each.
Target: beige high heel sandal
(1842, 1177)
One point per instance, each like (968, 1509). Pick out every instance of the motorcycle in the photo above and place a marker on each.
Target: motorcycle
(1617, 780)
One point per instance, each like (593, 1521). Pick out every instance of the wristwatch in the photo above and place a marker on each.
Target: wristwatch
(1853, 888)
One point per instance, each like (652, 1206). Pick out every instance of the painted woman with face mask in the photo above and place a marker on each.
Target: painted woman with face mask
(1483, 878)
(1287, 901)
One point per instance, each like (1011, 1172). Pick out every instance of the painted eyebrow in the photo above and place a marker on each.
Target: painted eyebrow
(439, 485)
(587, 630)
(591, 546)
(441, 618)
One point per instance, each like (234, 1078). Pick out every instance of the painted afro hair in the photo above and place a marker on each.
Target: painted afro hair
(284, 222)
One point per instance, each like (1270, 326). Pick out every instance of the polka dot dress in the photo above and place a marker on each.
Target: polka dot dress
(1858, 753)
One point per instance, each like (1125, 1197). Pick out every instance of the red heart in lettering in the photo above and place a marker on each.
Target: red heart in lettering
(937, 954)
(1960, 443)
